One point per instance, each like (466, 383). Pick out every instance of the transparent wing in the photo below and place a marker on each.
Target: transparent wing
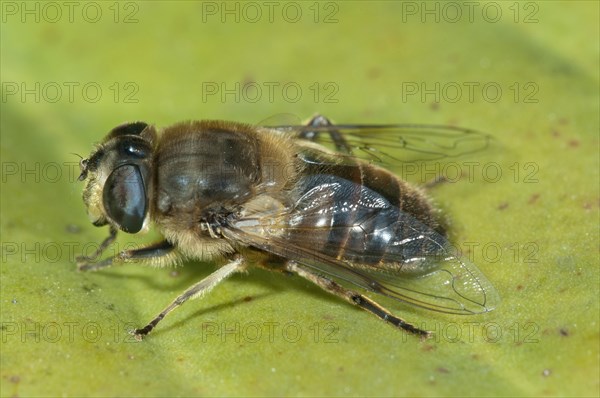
(392, 144)
(421, 267)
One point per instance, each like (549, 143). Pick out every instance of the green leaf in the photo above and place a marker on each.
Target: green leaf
(526, 212)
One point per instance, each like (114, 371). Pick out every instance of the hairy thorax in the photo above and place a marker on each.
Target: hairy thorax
(206, 170)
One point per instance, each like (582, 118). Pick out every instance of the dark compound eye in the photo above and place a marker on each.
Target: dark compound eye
(124, 198)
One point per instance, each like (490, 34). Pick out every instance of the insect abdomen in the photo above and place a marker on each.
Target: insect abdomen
(354, 223)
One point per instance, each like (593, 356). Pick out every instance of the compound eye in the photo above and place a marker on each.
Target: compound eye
(124, 198)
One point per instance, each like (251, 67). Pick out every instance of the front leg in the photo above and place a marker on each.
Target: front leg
(196, 290)
(161, 253)
(112, 234)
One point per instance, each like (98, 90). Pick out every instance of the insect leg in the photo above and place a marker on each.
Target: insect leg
(160, 253)
(195, 291)
(337, 138)
(355, 298)
(112, 234)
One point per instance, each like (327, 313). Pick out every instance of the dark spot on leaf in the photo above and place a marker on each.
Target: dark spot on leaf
(574, 143)
(248, 80)
(89, 288)
(502, 206)
(434, 106)
(51, 35)
(453, 122)
(110, 307)
(519, 287)
(247, 299)
(14, 379)
(428, 347)
(590, 205)
(564, 332)
(555, 134)
(533, 198)
(441, 369)
(373, 73)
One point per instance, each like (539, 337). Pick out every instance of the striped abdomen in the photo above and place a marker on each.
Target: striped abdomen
(366, 216)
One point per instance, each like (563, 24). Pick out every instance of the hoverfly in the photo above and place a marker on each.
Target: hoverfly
(309, 199)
